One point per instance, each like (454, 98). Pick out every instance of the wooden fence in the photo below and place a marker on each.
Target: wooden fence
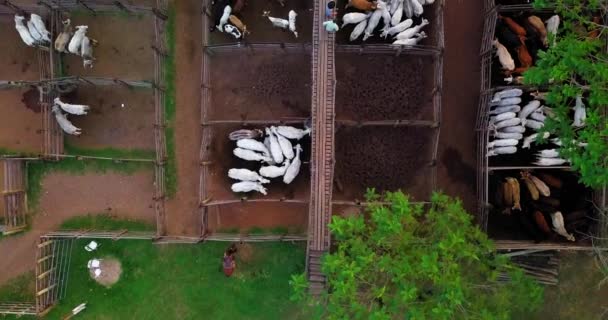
(15, 198)
(487, 90)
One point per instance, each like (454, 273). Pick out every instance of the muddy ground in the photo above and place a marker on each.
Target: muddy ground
(383, 87)
(218, 183)
(2, 209)
(183, 214)
(120, 54)
(261, 29)
(20, 126)
(259, 85)
(242, 217)
(65, 196)
(19, 62)
(384, 158)
(109, 123)
(457, 144)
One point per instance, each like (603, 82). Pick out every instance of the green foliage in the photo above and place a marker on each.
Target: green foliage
(184, 282)
(169, 103)
(576, 65)
(404, 260)
(110, 152)
(105, 222)
(36, 171)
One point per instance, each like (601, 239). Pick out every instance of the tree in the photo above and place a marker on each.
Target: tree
(577, 64)
(401, 260)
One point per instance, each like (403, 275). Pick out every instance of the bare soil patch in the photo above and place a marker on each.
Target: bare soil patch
(242, 217)
(124, 49)
(109, 123)
(262, 29)
(111, 269)
(384, 87)
(65, 196)
(385, 158)
(183, 214)
(20, 126)
(260, 85)
(218, 182)
(457, 144)
(19, 62)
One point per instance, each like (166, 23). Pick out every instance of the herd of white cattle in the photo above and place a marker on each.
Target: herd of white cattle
(33, 32)
(278, 156)
(391, 13)
(509, 122)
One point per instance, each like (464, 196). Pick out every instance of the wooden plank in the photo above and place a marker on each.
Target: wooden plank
(45, 274)
(45, 290)
(44, 244)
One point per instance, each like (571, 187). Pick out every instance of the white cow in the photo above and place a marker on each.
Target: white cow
(248, 186)
(64, 123)
(23, 31)
(77, 109)
(76, 42)
(246, 175)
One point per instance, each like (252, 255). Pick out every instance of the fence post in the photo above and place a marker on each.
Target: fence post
(80, 2)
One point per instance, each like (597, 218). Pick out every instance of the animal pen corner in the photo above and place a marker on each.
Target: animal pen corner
(486, 169)
(52, 83)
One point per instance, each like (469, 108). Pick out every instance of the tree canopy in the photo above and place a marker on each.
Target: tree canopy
(577, 64)
(400, 260)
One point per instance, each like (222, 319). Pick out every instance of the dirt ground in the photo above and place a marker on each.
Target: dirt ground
(20, 126)
(2, 209)
(19, 62)
(120, 54)
(385, 158)
(263, 85)
(111, 270)
(65, 196)
(262, 29)
(183, 215)
(242, 217)
(109, 124)
(218, 184)
(383, 87)
(457, 145)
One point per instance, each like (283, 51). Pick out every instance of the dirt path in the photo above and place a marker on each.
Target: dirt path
(457, 159)
(183, 217)
(66, 196)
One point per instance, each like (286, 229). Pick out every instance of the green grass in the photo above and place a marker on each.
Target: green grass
(20, 289)
(36, 171)
(11, 152)
(105, 222)
(110, 152)
(169, 104)
(185, 282)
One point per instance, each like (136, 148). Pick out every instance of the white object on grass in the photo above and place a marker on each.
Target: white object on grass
(92, 246)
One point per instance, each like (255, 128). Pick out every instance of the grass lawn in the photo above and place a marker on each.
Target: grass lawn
(106, 223)
(185, 282)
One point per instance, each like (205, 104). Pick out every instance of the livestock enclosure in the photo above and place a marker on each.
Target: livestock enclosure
(434, 30)
(584, 209)
(120, 117)
(261, 29)
(265, 87)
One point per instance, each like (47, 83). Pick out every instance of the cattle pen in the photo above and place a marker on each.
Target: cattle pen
(284, 96)
(508, 233)
(329, 116)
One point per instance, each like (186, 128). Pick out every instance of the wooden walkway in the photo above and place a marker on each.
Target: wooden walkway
(322, 169)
